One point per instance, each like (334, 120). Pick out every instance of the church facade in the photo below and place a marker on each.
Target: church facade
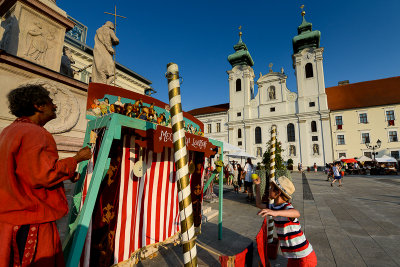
(302, 119)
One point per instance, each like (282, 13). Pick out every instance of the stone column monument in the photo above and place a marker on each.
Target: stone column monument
(34, 30)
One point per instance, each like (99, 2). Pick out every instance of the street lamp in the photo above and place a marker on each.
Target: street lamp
(373, 147)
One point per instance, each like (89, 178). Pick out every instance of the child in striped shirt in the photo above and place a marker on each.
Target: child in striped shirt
(292, 240)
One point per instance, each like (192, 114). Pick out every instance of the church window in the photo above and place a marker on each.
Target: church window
(258, 135)
(272, 109)
(239, 114)
(291, 137)
(208, 128)
(239, 133)
(238, 85)
(218, 127)
(342, 155)
(311, 104)
(313, 126)
(309, 70)
(314, 138)
(239, 143)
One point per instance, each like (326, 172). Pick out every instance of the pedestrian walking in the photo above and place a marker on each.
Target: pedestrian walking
(336, 174)
(292, 240)
(235, 174)
(248, 182)
(315, 167)
(240, 172)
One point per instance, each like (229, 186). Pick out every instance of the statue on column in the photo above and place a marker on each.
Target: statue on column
(103, 64)
(66, 61)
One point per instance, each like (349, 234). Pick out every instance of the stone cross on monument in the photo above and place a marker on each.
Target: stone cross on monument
(115, 31)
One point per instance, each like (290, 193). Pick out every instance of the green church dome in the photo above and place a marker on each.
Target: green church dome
(242, 55)
(306, 37)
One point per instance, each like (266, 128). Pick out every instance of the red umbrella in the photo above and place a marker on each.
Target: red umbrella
(349, 160)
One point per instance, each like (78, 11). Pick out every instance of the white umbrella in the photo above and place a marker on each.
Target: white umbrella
(240, 154)
(229, 147)
(386, 159)
(364, 158)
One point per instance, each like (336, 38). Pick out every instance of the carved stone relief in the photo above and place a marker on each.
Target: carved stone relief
(67, 106)
(39, 39)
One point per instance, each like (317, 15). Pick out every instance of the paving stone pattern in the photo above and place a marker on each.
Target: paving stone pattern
(353, 225)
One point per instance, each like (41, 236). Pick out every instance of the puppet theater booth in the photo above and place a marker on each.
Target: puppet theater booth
(127, 203)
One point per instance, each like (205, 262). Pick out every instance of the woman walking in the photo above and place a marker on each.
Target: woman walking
(248, 182)
(239, 178)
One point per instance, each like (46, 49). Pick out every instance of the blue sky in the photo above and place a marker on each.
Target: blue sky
(361, 39)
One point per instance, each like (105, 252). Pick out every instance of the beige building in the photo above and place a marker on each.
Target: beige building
(363, 113)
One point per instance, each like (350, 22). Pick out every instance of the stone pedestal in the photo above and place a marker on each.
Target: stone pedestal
(34, 30)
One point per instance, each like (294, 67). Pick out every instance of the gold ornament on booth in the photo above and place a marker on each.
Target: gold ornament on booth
(93, 137)
(138, 168)
(192, 167)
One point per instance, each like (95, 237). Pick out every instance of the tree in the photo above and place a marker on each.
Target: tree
(290, 164)
(279, 165)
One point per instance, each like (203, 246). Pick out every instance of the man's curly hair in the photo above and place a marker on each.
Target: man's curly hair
(22, 100)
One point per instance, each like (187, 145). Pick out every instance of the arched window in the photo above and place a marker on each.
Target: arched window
(313, 126)
(239, 133)
(309, 70)
(258, 135)
(238, 85)
(290, 133)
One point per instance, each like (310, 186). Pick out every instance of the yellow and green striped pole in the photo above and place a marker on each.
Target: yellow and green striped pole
(272, 177)
(182, 170)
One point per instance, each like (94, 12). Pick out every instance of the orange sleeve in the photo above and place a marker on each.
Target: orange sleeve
(39, 165)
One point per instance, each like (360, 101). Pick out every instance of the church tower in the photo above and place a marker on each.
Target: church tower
(241, 81)
(308, 65)
(312, 104)
(241, 92)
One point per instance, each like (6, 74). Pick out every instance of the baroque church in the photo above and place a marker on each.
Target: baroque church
(302, 119)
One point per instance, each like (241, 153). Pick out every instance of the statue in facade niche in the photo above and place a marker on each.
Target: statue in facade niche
(271, 93)
(292, 150)
(66, 62)
(315, 149)
(103, 64)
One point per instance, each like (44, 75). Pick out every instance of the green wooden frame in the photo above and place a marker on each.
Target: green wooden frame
(79, 220)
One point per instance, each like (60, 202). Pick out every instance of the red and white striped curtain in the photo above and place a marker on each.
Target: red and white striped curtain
(148, 210)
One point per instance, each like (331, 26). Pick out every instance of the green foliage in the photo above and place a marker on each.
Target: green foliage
(289, 162)
(279, 165)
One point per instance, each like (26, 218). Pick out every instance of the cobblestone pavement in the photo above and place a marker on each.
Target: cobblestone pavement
(353, 225)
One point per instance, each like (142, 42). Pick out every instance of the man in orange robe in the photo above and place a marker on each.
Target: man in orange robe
(32, 195)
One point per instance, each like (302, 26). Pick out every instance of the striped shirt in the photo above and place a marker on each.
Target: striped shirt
(292, 240)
